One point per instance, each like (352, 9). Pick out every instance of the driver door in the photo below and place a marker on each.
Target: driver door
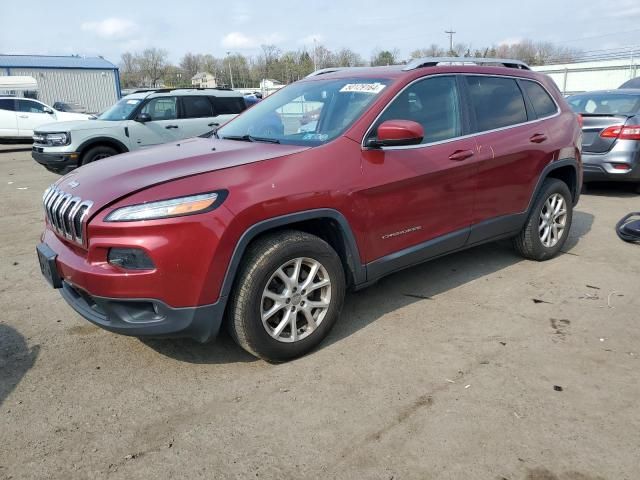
(30, 115)
(163, 126)
(419, 198)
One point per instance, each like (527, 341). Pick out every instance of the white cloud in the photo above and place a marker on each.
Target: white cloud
(241, 41)
(309, 39)
(112, 28)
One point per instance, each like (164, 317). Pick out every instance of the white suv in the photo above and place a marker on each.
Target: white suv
(138, 120)
(19, 117)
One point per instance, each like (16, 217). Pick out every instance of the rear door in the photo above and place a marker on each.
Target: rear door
(197, 115)
(31, 114)
(164, 125)
(513, 147)
(425, 192)
(8, 118)
(227, 108)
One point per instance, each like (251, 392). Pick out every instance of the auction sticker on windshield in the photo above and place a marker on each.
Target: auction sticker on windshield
(373, 88)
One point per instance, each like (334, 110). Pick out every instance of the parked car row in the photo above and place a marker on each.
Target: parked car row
(329, 184)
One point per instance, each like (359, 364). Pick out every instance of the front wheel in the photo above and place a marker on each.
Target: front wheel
(98, 153)
(289, 294)
(548, 224)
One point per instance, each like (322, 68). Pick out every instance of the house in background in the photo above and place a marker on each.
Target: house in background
(204, 80)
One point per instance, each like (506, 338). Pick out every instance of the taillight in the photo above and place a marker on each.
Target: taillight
(628, 132)
(580, 120)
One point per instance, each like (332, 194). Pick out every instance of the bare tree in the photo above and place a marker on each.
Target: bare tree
(129, 70)
(153, 64)
(191, 64)
(348, 58)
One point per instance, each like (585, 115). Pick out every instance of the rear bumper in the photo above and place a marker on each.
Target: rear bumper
(601, 167)
(146, 317)
(55, 161)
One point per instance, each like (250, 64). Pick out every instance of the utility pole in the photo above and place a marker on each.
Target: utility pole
(315, 52)
(450, 33)
(230, 73)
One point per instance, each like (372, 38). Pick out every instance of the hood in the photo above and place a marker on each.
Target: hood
(64, 116)
(75, 125)
(110, 179)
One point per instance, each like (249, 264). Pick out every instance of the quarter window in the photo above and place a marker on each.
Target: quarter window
(197, 107)
(8, 104)
(542, 102)
(30, 107)
(161, 108)
(497, 102)
(433, 103)
(228, 105)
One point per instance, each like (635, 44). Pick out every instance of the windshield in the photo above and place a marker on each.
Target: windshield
(306, 113)
(605, 103)
(121, 110)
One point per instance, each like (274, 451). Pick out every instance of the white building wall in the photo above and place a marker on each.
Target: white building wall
(586, 76)
(95, 89)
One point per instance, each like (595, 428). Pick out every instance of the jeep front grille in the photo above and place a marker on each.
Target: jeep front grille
(66, 213)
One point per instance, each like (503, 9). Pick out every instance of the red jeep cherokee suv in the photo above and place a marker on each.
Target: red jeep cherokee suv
(328, 184)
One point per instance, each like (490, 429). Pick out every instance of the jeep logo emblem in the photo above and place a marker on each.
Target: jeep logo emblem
(73, 183)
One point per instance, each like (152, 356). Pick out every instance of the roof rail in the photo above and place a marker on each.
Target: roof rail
(167, 89)
(323, 71)
(434, 61)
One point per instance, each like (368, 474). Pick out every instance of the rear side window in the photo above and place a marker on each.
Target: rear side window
(542, 102)
(8, 104)
(497, 102)
(197, 107)
(228, 105)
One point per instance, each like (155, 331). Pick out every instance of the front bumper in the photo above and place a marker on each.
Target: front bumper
(146, 317)
(55, 161)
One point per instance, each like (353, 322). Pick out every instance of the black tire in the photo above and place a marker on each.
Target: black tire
(528, 242)
(98, 153)
(262, 259)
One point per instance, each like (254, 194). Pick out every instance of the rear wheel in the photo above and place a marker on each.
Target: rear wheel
(549, 221)
(289, 294)
(98, 153)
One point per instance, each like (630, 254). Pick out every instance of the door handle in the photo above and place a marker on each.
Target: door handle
(171, 126)
(213, 124)
(538, 138)
(23, 116)
(460, 155)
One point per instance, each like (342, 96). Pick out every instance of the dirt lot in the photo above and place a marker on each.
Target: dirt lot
(443, 371)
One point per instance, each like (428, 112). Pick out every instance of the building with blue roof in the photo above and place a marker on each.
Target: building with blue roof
(90, 81)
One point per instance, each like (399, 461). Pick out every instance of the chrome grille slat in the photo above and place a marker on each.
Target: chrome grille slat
(66, 214)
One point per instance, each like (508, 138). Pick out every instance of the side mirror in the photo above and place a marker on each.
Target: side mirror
(143, 118)
(394, 133)
(48, 110)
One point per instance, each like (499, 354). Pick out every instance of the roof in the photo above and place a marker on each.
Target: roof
(45, 61)
(168, 92)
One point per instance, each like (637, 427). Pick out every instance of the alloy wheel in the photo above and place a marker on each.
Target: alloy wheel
(553, 220)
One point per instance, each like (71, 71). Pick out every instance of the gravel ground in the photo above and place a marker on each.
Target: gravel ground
(476, 366)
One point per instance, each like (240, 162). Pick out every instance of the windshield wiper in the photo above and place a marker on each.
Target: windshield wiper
(250, 138)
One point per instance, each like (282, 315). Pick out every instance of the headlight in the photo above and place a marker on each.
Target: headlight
(174, 207)
(57, 139)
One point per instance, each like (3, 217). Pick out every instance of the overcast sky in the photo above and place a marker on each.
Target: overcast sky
(111, 27)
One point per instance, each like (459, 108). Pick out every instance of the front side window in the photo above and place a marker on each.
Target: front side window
(311, 112)
(433, 103)
(496, 102)
(122, 110)
(542, 102)
(197, 107)
(161, 108)
(8, 104)
(30, 107)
